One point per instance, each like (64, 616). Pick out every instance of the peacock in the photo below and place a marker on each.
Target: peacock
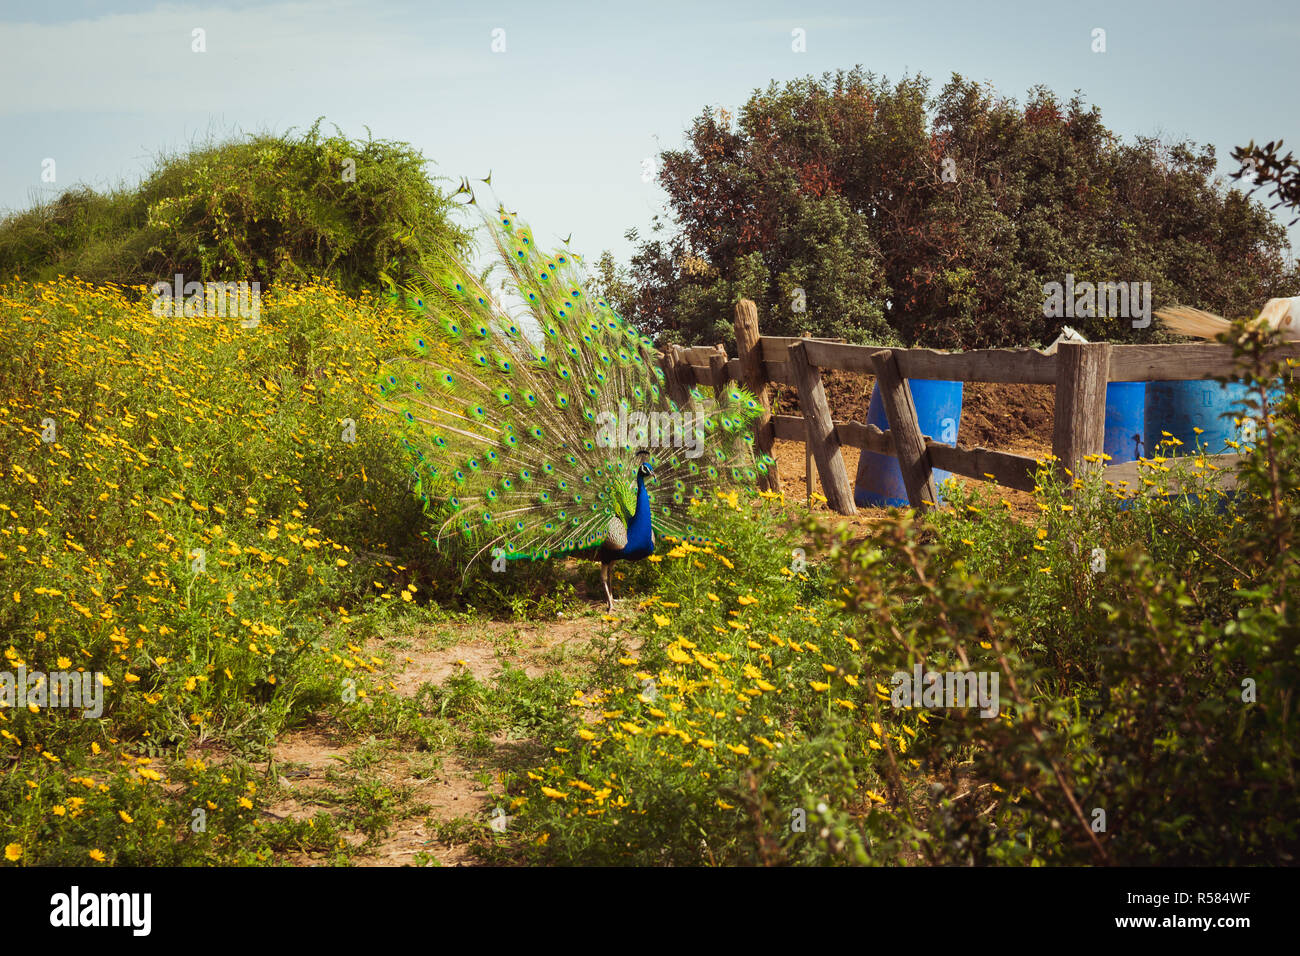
(539, 421)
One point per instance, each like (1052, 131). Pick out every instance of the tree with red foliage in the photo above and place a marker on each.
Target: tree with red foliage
(850, 206)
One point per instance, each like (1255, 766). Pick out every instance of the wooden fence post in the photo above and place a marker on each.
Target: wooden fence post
(909, 443)
(718, 371)
(821, 431)
(808, 457)
(676, 368)
(751, 376)
(1079, 429)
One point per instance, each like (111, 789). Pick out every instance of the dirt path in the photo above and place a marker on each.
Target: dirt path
(398, 805)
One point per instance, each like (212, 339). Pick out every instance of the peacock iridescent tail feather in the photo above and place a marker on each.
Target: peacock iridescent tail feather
(528, 425)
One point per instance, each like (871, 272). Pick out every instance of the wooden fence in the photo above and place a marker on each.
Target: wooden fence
(1080, 373)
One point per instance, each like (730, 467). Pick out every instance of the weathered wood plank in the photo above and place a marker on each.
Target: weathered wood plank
(699, 354)
(909, 443)
(865, 437)
(1172, 363)
(752, 375)
(1079, 427)
(1012, 366)
(1025, 366)
(821, 433)
(853, 434)
(773, 348)
(789, 427)
(1013, 471)
(778, 373)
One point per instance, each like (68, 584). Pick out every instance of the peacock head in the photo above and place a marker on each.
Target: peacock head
(645, 464)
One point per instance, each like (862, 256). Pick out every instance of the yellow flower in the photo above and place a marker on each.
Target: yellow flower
(818, 686)
(677, 655)
(13, 851)
(661, 620)
(553, 793)
(97, 856)
(126, 817)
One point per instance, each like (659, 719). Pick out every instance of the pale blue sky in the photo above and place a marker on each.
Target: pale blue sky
(566, 115)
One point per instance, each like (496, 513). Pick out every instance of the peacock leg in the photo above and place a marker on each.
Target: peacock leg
(604, 579)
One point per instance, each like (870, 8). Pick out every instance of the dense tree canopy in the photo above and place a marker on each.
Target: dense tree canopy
(854, 207)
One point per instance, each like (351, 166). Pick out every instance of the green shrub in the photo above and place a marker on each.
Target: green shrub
(265, 208)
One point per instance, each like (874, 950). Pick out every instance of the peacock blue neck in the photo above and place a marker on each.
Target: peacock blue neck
(640, 535)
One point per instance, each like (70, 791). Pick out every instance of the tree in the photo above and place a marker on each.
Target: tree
(938, 220)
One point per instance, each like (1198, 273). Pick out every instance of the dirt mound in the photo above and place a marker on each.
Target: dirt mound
(1005, 417)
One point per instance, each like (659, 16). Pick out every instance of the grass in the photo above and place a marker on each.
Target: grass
(182, 516)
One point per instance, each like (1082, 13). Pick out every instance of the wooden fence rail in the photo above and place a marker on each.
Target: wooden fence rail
(1080, 373)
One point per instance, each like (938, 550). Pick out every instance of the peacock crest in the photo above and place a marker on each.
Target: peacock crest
(537, 417)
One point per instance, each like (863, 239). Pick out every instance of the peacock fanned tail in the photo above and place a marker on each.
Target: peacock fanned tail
(526, 425)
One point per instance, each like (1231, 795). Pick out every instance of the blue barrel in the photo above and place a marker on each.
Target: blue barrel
(1181, 407)
(1125, 418)
(879, 481)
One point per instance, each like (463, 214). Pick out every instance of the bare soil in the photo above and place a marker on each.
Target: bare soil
(1012, 418)
(442, 794)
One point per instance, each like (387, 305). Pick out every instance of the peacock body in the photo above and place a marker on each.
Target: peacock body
(559, 439)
